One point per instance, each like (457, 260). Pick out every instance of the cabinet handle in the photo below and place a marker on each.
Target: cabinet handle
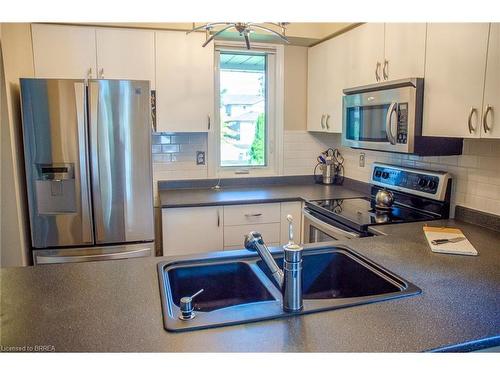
(253, 215)
(218, 218)
(89, 73)
(101, 73)
(322, 123)
(377, 74)
(209, 125)
(384, 70)
(469, 120)
(485, 119)
(326, 122)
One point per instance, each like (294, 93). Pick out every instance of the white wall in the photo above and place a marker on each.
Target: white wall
(17, 62)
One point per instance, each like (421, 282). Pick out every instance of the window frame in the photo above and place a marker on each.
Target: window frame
(274, 113)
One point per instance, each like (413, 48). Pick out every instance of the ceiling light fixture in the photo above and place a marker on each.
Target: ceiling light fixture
(244, 28)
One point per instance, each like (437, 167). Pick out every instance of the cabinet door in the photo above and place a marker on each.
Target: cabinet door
(491, 129)
(454, 78)
(336, 82)
(184, 82)
(64, 51)
(316, 87)
(365, 54)
(192, 230)
(126, 54)
(294, 209)
(404, 50)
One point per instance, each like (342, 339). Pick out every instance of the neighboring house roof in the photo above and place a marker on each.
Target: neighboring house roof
(242, 99)
(245, 117)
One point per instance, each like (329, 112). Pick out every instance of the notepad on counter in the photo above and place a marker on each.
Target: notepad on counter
(460, 246)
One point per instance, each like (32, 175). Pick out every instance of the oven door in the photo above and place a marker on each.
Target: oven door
(317, 229)
(380, 120)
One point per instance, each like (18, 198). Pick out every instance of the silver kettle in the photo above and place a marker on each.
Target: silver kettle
(384, 199)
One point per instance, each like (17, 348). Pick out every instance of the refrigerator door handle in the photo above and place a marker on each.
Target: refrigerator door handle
(94, 155)
(81, 104)
(50, 259)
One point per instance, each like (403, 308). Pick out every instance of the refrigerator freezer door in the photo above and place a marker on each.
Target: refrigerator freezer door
(56, 162)
(120, 144)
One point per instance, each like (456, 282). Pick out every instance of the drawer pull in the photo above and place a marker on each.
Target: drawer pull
(252, 215)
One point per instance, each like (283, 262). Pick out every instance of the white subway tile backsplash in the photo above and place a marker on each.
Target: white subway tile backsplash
(169, 148)
(476, 173)
(489, 163)
(174, 157)
(467, 161)
(180, 139)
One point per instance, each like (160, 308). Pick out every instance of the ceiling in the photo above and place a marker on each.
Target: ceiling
(300, 33)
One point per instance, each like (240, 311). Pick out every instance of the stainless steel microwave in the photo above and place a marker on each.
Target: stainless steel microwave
(387, 116)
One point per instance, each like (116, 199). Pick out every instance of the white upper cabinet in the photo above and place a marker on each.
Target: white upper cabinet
(64, 51)
(491, 104)
(326, 78)
(316, 87)
(184, 82)
(454, 79)
(404, 50)
(126, 54)
(365, 54)
(336, 82)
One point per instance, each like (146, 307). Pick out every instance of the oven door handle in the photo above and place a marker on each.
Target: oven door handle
(388, 120)
(327, 228)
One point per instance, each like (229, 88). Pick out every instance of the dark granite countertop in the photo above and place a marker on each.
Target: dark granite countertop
(115, 305)
(256, 190)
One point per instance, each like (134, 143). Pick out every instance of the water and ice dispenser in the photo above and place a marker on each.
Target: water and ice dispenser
(55, 189)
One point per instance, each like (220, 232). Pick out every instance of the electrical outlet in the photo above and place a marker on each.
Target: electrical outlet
(200, 157)
(362, 160)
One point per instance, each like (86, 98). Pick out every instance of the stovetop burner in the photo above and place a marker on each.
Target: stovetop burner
(418, 195)
(361, 212)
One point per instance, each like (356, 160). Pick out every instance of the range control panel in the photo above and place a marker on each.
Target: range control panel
(426, 183)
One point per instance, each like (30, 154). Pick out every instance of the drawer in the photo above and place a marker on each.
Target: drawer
(235, 235)
(240, 247)
(252, 213)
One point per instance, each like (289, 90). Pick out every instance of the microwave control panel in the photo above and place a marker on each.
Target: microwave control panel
(402, 132)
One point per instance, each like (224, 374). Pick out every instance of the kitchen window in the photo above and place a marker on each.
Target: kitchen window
(246, 110)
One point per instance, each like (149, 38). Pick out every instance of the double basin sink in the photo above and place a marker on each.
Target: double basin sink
(239, 288)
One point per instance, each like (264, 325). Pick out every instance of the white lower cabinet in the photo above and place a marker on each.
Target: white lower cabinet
(201, 229)
(251, 214)
(235, 235)
(192, 230)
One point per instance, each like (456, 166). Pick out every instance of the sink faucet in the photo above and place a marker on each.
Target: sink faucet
(290, 278)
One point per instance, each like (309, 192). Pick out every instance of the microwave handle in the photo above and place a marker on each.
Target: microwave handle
(388, 118)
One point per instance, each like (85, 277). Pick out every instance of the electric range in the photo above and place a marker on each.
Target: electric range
(419, 195)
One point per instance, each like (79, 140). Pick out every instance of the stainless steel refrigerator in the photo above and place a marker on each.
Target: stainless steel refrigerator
(87, 150)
